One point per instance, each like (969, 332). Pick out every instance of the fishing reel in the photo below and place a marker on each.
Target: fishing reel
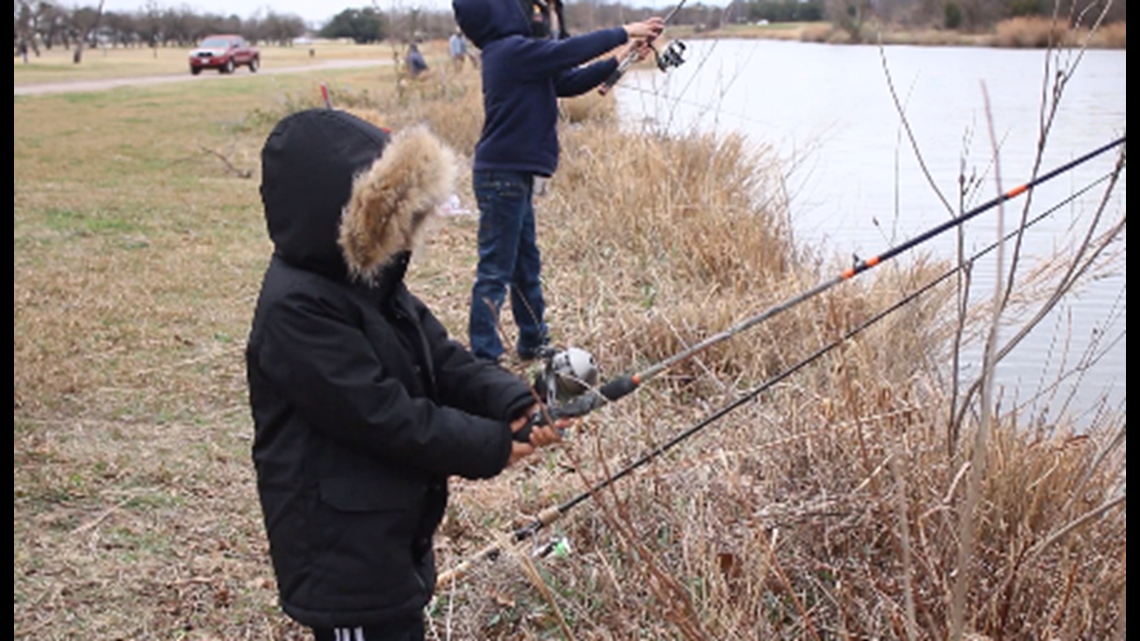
(566, 374)
(672, 56)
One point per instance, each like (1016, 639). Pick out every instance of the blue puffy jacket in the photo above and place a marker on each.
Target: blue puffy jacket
(522, 80)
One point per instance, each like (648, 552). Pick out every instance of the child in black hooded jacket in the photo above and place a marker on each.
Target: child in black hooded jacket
(362, 404)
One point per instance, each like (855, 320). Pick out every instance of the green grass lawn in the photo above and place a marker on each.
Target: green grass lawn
(55, 65)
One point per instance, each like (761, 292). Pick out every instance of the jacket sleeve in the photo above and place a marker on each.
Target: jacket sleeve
(468, 383)
(328, 370)
(541, 58)
(582, 79)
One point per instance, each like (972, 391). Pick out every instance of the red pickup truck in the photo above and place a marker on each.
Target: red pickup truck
(224, 52)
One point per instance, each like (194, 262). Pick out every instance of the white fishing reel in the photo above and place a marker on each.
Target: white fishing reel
(673, 56)
(565, 374)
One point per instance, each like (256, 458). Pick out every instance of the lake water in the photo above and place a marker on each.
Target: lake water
(857, 187)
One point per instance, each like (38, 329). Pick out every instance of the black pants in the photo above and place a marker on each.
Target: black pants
(412, 630)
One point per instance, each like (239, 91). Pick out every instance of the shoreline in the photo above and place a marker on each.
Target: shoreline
(1011, 34)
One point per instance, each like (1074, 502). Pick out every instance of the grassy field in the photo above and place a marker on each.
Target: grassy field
(832, 506)
(55, 65)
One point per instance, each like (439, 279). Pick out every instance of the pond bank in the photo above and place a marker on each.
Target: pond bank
(1018, 33)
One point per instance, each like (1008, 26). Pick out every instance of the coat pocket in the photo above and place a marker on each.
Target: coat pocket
(362, 539)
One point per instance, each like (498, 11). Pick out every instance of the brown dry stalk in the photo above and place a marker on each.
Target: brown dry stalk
(671, 596)
(240, 173)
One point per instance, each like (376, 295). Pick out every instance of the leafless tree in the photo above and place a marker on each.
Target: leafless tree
(25, 22)
(85, 23)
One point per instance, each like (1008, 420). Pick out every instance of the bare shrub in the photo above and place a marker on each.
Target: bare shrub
(1031, 32)
(589, 107)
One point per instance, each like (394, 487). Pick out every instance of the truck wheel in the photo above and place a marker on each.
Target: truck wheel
(195, 70)
(229, 66)
(253, 65)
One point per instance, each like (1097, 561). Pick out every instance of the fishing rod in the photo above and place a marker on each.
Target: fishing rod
(673, 55)
(594, 397)
(551, 514)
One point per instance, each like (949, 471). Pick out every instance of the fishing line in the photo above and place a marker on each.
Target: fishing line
(553, 513)
(701, 107)
(625, 384)
(675, 98)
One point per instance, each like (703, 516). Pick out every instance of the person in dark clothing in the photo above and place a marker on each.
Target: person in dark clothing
(523, 77)
(362, 404)
(417, 66)
(542, 14)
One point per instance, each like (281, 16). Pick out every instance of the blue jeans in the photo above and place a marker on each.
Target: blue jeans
(509, 260)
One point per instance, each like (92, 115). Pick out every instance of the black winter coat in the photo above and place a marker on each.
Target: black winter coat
(362, 404)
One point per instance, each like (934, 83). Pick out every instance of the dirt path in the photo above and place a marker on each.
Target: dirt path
(114, 83)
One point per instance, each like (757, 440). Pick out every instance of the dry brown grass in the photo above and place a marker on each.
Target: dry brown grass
(1032, 32)
(1040, 32)
(827, 508)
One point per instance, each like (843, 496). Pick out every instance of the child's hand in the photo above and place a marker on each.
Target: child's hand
(639, 49)
(540, 436)
(646, 30)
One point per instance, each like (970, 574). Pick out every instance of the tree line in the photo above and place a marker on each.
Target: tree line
(49, 25)
(46, 24)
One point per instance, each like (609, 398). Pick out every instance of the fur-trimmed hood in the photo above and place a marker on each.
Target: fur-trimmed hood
(343, 196)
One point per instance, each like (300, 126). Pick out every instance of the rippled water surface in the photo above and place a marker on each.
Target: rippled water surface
(858, 187)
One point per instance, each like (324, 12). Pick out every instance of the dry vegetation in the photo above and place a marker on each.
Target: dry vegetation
(829, 507)
(1023, 32)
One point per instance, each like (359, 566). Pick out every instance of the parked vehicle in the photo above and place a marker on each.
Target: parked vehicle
(224, 52)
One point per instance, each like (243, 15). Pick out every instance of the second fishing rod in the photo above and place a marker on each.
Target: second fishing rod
(549, 515)
(576, 368)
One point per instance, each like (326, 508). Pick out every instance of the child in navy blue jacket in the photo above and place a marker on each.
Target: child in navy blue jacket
(523, 77)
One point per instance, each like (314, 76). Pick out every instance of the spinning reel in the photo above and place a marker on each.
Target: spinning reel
(673, 55)
(566, 373)
(568, 386)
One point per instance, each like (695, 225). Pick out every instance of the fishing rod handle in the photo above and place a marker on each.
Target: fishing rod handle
(631, 57)
(617, 73)
(579, 405)
(450, 578)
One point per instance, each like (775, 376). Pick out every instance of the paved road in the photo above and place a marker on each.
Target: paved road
(112, 83)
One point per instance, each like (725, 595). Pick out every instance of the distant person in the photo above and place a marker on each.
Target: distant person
(542, 13)
(417, 66)
(523, 77)
(457, 46)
